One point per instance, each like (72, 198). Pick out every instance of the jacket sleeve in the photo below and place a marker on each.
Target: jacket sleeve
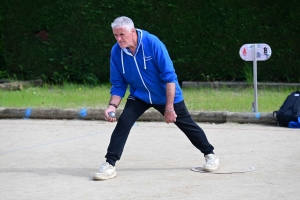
(164, 62)
(119, 85)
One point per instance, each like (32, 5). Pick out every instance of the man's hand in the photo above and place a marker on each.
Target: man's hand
(107, 117)
(170, 116)
(112, 107)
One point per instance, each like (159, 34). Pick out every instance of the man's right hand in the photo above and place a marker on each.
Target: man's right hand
(107, 117)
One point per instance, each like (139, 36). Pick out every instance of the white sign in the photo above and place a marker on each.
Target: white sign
(263, 52)
(255, 52)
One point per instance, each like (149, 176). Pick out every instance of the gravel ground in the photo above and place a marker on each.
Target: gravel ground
(56, 159)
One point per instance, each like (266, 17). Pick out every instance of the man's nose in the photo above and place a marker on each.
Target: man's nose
(118, 38)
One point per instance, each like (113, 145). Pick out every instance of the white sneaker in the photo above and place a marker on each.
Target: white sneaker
(106, 171)
(212, 163)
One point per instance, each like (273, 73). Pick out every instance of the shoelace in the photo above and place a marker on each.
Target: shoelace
(104, 167)
(211, 160)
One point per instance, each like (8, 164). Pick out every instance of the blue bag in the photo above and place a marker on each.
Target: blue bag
(289, 111)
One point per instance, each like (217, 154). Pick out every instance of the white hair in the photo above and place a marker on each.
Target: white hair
(123, 21)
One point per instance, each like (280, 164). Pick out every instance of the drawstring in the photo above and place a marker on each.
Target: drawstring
(122, 61)
(144, 56)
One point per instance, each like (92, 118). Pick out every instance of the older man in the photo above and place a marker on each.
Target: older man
(140, 60)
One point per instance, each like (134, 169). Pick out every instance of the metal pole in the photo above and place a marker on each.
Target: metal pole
(255, 80)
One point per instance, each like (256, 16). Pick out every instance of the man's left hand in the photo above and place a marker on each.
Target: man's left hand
(170, 117)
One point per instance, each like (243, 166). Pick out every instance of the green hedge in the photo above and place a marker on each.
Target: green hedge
(63, 40)
(2, 61)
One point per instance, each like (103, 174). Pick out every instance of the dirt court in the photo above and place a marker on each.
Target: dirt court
(56, 159)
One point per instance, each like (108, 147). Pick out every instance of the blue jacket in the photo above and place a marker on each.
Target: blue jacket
(146, 72)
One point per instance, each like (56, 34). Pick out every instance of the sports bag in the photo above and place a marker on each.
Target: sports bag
(289, 111)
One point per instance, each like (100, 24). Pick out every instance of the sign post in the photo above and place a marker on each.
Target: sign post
(255, 105)
(255, 52)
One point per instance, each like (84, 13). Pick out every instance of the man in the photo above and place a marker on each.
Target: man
(140, 60)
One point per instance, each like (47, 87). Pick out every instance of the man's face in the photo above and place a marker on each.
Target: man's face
(123, 36)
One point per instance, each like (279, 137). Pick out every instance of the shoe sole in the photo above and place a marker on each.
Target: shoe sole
(114, 175)
(211, 169)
